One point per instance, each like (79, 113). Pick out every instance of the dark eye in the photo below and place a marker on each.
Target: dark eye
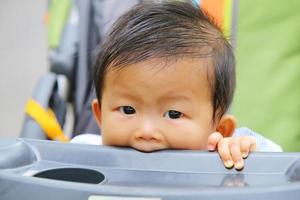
(128, 110)
(173, 114)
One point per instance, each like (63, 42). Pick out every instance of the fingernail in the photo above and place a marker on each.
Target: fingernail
(245, 155)
(228, 164)
(211, 147)
(239, 164)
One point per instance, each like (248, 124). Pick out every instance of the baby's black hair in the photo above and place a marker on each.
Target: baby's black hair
(169, 29)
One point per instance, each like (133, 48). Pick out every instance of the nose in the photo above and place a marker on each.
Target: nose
(148, 132)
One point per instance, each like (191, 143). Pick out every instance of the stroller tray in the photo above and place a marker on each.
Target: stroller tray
(39, 169)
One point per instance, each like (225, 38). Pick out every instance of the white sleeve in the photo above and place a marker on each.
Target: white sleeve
(87, 139)
(262, 143)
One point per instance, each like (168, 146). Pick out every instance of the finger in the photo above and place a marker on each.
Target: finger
(236, 154)
(253, 144)
(213, 141)
(223, 149)
(247, 144)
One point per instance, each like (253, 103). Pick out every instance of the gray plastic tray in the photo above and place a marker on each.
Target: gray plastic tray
(37, 169)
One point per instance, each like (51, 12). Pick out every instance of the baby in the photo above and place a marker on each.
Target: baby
(164, 79)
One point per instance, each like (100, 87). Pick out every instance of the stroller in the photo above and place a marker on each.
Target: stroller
(62, 99)
(60, 105)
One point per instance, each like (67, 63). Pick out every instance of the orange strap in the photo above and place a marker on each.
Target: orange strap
(221, 11)
(216, 9)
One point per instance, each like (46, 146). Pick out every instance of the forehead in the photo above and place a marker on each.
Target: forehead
(188, 75)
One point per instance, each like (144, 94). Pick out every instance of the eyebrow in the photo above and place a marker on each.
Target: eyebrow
(173, 97)
(118, 93)
(164, 98)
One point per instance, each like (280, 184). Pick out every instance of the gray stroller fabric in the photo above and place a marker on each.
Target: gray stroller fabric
(96, 18)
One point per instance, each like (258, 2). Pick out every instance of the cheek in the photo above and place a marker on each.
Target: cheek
(188, 135)
(115, 130)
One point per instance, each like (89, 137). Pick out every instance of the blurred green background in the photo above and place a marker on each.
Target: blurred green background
(267, 98)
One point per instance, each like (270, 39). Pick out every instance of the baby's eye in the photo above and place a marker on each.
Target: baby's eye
(173, 114)
(128, 110)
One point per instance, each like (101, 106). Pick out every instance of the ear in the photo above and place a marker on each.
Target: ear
(227, 125)
(96, 107)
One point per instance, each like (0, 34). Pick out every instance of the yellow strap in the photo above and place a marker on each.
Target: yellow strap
(46, 119)
(228, 18)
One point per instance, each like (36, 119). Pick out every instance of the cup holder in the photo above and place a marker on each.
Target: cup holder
(79, 175)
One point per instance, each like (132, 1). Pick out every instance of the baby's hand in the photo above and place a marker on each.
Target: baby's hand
(232, 150)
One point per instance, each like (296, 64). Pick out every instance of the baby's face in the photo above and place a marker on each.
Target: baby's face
(155, 105)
